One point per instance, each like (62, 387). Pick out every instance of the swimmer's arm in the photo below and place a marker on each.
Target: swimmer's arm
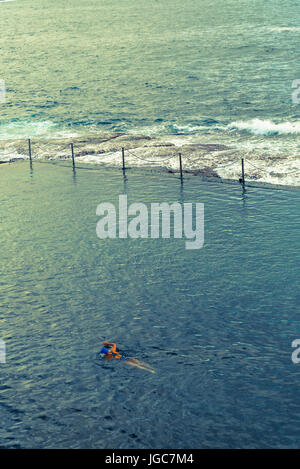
(114, 346)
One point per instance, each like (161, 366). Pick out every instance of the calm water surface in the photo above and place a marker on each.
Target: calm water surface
(215, 323)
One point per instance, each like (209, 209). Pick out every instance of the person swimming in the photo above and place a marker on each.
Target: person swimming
(109, 351)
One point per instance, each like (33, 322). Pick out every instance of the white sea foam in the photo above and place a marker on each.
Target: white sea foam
(208, 153)
(205, 159)
(28, 129)
(168, 129)
(285, 28)
(280, 173)
(198, 158)
(266, 127)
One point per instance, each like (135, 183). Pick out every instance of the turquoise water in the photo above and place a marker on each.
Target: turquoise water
(216, 323)
(182, 72)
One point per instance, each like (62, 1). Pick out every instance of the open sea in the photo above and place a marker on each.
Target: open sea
(216, 81)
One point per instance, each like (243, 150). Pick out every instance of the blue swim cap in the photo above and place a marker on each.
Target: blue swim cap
(104, 350)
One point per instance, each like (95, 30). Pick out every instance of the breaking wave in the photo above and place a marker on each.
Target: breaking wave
(28, 129)
(266, 127)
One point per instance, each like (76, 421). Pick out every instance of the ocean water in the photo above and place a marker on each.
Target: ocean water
(210, 79)
(216, 324)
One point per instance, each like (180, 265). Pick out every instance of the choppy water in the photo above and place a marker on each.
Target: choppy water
(216, 324)
(192, 72)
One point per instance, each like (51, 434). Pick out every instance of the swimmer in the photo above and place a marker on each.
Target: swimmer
(110, 351)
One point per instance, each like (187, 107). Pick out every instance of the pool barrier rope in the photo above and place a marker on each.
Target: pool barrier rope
(156, 161)
(270, 172)
(264, 170)
(70, 146)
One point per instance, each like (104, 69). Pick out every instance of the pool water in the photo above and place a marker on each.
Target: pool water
(216, 323)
